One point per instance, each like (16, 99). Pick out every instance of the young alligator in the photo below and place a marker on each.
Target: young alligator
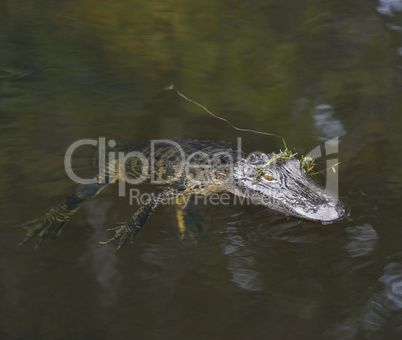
(187, 167)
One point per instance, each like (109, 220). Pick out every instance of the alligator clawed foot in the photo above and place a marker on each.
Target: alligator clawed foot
(41, 227)
(123, 232)
(33, 228)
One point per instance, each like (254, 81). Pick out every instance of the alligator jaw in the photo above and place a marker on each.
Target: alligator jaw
(326, 213)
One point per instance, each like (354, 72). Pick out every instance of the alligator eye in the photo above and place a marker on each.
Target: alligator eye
(268, 176)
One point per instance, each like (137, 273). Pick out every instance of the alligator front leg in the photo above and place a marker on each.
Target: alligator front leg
(128, 230)
(52, 222)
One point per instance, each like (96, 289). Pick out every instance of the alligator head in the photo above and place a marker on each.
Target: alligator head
(283, 186)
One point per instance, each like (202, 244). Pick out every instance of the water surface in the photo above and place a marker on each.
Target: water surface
(306, 71)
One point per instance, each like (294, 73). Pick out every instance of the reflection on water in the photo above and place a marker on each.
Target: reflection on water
(382, 314)
(72, 70)
(326, 123)
(385, 306)
(361, 240)
(389, 7)
(241, 262)
(289, 230)
(103, 260)
(392, 281)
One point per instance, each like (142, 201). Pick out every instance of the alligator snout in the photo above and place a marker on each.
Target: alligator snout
(329, 213)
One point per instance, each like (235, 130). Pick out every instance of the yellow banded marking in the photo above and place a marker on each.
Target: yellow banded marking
(180, 221)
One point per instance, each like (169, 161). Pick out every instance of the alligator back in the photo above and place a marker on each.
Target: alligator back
(160, 161)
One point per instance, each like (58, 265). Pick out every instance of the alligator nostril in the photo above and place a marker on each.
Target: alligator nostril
(341, 210)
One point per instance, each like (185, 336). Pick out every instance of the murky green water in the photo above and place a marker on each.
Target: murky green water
(308, 71)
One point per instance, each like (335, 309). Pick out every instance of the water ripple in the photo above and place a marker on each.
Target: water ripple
(361, 240)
